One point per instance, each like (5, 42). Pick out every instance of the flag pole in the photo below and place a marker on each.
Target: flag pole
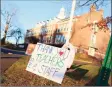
(67, 44)
(70, 24)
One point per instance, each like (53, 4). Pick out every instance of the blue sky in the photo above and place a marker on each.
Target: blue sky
(30, 12)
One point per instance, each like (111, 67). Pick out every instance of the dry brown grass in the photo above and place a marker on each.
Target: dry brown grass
(16, 75)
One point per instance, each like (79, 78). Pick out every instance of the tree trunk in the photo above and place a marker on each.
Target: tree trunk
(6, 29)
(17, 39)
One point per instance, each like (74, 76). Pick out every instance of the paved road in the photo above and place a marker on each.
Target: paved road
(7, 60)
(6, 50)
(6, 63)
(8, 57)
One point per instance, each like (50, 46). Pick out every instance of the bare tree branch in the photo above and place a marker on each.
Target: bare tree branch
(8, 24)
(89, 2)
(85, 3)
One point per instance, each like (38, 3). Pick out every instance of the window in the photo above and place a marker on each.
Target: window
(56, 36)
(67, 27)
(46, 31)
(64, 28)
(59, 39)
(62, 37)
(61, 29)
(56, 39)
(50, 39)
(64, 40)
(47, 39)
(93, 39)
(51, 32)
(52, 27)
(58, 30)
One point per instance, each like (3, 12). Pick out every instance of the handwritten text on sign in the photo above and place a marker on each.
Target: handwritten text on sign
(49, 62)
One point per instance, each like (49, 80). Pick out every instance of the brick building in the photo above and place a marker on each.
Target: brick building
(86, 31)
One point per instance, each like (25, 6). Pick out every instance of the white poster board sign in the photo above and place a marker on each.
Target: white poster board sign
(30, 49)
(91, 51)
(49, 62)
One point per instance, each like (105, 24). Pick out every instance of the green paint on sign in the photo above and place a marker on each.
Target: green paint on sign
(106, 67)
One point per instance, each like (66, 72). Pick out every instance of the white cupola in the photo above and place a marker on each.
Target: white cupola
(61, 14)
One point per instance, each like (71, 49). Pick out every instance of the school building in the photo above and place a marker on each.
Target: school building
(89, 31)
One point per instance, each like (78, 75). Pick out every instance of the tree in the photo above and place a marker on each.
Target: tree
(17, 34)
(8, 22)
(97, 3)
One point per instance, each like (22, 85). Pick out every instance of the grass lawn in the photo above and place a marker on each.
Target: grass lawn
(82, 57)
(16, 75)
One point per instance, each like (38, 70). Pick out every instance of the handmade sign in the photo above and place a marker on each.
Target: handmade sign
(72, 52)
(91, 51)
(30, 49)
(49, 62)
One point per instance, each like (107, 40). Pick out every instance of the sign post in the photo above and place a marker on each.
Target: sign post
(106, 67)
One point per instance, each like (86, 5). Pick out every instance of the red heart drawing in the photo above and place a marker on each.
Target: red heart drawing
(60, 53)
